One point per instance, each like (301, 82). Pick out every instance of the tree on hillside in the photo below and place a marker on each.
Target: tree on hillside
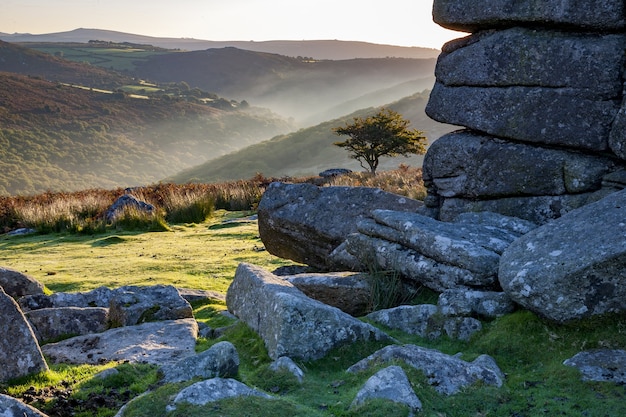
(384, 134)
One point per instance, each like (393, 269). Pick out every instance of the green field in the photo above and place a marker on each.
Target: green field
(529, 350)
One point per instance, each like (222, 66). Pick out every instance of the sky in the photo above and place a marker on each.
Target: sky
(392, 22)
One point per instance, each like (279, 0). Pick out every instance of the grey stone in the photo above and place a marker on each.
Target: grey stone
(12, 407)
(17, 284)
(534, 114)
(390, 384)
(617, 137)
(461, 328)
(537, 209)
(20, 354)
(54, 323)
(99, 297)
(468, 302)
(158, 343)
(389, 256)
(491, 219)
(132, 305)
(601, 365)
(461, 164)
(289, 365)
(220, 360)
(215, 389)
(469, 15)
(348, 291)
(192, 295)
(572, 267)
(447, 374)
(296, 220)
(410, 319)
(591, 63)
(290, 323)
(127, 202)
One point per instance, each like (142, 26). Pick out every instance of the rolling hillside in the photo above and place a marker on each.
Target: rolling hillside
(318, 49)
(309, 151)
(61, 138)
(294, 87)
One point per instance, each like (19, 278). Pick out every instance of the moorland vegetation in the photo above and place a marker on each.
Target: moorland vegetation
(203, 252)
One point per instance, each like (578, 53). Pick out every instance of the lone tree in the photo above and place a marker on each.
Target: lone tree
(383, 134)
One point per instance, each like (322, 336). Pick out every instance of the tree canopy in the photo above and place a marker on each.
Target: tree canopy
(384, 134)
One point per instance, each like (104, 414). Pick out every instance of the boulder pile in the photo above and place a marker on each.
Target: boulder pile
(539, 88)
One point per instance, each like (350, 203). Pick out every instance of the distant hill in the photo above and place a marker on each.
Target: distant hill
(60, 138)
(318, 49)
(17, 59)
(294, 87)
(309, 151)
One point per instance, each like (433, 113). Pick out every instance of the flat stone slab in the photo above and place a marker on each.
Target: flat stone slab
(158, 343)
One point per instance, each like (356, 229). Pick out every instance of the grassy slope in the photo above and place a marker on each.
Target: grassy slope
(309, 151)
(529, 350)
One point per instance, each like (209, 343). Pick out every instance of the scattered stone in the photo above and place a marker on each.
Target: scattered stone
(461, 328)
(220, 360)
(12, 407)
(349, 292)
(55, 323)
(334, 172)
(21, 232)
(17, 284)
(211, 390)
(125, 202)
(390, 384)
(447, 374)
(295, 221)
(601, 365)
(20, 354)
(158, 343)
(416, 320)
(132, 305)
(106, 373)
(290, 323)
(193, 296)
(99, 297)
(467, 302)
(572, 267)
(289, 365)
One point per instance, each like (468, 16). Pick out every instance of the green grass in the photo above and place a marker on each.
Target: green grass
(528, 349)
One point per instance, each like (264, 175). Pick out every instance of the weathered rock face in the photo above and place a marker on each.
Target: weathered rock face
(290, 323)
(53, 323)
(159, 343)
(17, 284)
(132, 305)
(19, 352)
(10, 407)
(305, 223)
(468, 15)
(540, 86)
(572, 267)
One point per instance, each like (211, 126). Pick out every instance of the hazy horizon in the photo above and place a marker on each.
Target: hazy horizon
(400, 22)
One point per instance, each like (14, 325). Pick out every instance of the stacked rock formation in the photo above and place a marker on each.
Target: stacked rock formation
(539, 87)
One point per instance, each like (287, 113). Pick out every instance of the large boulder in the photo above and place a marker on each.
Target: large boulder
(601, 365)
(572, 267)
(54, 323)
(447, 374)
(460, 164)
(158, 343)
(290, 323)
(99, 297)
(215, 389)
(17, 284)
(132, 305)
(617, 137)
(532, 114)
(20, 354)
(470, 15)
(305, 223)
